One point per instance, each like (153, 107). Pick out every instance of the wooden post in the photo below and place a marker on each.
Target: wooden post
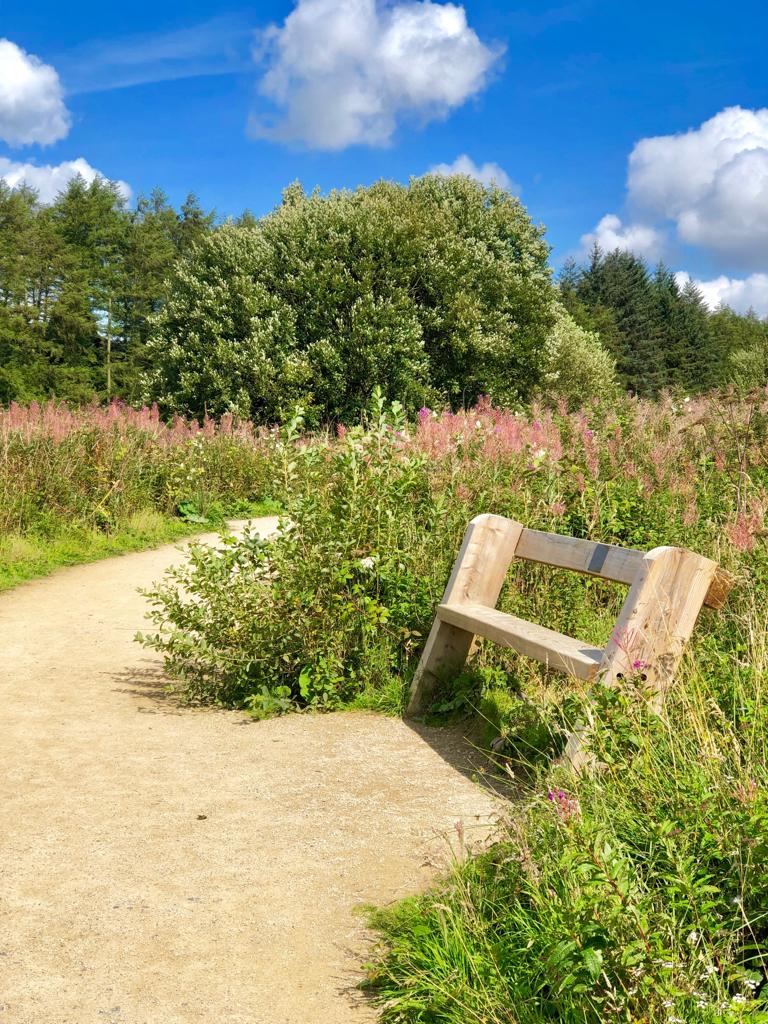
(477, 578)
(651, 631)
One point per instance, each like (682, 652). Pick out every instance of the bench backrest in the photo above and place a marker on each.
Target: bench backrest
(594, 559)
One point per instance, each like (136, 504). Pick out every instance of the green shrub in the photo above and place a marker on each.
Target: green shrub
(577, 366)
(335, 604)
(436, 292)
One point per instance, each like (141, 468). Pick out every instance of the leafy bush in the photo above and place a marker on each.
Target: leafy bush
(577, 365)
(334, 605)
(436, 292)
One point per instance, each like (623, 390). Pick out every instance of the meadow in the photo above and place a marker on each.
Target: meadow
(634, 892)
(81, 483)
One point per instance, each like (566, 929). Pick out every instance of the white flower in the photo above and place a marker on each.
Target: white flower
(686, 399)
(367, 563)
(478, 424)
(693, 938)
(738, 999)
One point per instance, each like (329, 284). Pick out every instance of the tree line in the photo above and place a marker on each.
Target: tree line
(661, 335)
(440, 290)
(80, 280)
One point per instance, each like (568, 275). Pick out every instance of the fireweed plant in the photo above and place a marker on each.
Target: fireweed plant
(634, 892)
(80, 483)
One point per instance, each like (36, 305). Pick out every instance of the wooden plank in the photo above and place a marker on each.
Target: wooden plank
(658, 617)
(478, 575)
(605, 560)
(719, 589)
(483, 561)
(608, 561)
(555, 650)
(654, 625)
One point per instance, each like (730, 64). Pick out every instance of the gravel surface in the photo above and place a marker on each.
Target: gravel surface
(161, 865)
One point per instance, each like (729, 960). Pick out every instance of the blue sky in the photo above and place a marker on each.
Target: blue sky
(235, 102)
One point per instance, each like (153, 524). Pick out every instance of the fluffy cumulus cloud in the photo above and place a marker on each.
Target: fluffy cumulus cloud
(712, 181)
(32, 106)
(486, 174)
(49, 180)
(611, 233)
(740, 294)
(343, 72)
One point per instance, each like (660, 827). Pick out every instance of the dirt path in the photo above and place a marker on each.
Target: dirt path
(166, 866)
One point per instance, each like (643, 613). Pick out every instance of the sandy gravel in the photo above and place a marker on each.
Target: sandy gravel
(168, 866)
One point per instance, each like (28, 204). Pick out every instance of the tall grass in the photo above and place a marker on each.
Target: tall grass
(80, 483)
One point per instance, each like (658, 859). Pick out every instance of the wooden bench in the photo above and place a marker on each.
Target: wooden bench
(667, 588)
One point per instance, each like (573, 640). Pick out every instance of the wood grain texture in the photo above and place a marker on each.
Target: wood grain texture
(478, 576)
(555, 650)
(618, 564)
(615, 563)
(653, 627)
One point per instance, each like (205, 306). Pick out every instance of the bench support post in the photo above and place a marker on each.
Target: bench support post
(653, 627)
(477, 578)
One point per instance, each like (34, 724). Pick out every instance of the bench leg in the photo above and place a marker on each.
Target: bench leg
(445, 653)
(477, 577)
(654, 625)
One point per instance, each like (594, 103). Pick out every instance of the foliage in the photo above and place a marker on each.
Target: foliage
(245, 621)
(76, 483)
(661, 334)
(438, 291)
(577, 365)
(27, 556)
(79, 280)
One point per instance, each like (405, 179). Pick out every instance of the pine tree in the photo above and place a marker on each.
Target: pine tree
(618, 282)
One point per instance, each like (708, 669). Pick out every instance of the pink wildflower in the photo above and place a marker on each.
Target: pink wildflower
(567, 807)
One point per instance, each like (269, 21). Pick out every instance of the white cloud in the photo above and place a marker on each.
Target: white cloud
(31, 99)
(712, 181)
(48, 180)
(486, 174)
(343, 72)
(611, 233)
(740, 294)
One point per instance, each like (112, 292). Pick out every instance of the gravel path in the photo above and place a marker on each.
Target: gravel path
(168, 866)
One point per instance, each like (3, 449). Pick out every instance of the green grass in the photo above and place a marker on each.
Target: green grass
(29, 556)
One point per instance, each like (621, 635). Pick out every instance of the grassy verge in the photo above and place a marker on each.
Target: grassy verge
(29, 556)
(636, 892)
